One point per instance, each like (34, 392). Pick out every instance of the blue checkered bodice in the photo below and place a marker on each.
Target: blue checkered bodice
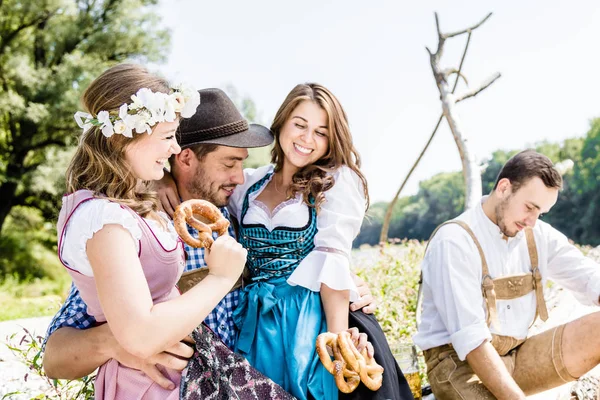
(276, 253)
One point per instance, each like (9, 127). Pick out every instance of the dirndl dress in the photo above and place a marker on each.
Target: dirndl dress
(279, 323)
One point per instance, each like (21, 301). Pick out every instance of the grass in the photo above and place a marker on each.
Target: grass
(35, 298)
(392, 272)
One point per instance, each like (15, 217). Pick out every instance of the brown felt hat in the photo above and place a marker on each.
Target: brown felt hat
(218, 121)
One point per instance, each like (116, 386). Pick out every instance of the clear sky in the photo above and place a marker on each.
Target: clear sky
(372, 56)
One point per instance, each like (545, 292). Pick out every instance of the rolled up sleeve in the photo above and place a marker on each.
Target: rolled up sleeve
(571, 269)
(453, 272)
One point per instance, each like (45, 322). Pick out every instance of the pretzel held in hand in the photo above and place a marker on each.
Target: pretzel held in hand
(337, 367)
(324, 340)
(184, 215)
(348, 362)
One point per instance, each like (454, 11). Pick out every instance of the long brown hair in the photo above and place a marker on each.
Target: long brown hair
(313, 180)
(99, 162)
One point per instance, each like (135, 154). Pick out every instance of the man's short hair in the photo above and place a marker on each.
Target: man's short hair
(200, 150)
(529, 164)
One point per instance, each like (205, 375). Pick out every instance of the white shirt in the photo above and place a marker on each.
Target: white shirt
(91, 216)
(338, 223)
(453, 307)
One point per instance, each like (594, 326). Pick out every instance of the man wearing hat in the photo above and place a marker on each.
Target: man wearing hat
(214, 144)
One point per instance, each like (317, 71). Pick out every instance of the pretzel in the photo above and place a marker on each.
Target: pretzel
(337, 367)
(371, 373)
(184, 215)
(345, 386)
(349, 367)
(324, 340)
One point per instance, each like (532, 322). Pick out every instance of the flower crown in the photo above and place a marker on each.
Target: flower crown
(147, 109)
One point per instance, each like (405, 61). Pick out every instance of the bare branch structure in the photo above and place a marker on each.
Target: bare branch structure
(471, 170)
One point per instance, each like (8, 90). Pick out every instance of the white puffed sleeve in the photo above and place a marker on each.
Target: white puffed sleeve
(251, 176)
(338, 223)
(88, 219)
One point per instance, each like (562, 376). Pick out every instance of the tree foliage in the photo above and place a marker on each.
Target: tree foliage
(576, 214)
(258, 156)
(49, 51)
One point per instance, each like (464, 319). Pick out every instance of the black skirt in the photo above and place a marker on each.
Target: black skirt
(394, 385)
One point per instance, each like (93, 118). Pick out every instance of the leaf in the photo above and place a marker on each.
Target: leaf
(8, 395)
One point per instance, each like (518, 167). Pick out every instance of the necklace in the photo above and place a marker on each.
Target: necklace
(275, 184)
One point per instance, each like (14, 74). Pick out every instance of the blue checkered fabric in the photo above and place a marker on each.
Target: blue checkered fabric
(276, 253)
(73, 313)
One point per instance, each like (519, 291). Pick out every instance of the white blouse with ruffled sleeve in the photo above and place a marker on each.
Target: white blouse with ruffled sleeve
(91, 216)
(338, 223)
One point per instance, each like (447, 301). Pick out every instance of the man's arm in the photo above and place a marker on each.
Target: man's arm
(70, 352)
(73, 353)
(74, 348)
(488, 366)
(167, 192)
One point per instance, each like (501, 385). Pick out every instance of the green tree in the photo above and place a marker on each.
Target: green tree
(582, 219)
(258, 156)
(439, 198)
(576, 214)
(493, 166)
(49, 51)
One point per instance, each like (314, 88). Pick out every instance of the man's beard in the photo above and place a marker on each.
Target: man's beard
(500, 211)
(202, 188)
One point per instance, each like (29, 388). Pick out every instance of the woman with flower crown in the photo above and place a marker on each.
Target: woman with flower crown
(125, 257)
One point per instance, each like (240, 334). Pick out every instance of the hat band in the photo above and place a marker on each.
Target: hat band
(202, 135)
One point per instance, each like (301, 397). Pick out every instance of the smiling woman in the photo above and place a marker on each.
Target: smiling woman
(303, 137)
(125, 259)
(298, 219)
(148, 156)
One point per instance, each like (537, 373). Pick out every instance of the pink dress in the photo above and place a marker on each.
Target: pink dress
(162, 269)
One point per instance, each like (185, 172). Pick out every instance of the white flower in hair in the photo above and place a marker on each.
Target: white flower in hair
(120, 129)
(79, 118)
(138, 99)
(122, 124)
(178, 101)
(191, 100)
(147, 109)
(106, 123)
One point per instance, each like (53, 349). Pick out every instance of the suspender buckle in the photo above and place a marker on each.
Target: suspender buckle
(487, 282)
(537, 277)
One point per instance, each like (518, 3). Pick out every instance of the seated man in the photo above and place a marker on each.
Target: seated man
(483, 279)
(203, 169)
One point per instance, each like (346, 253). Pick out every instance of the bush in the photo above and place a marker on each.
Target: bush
(28, 246)
(392, 273)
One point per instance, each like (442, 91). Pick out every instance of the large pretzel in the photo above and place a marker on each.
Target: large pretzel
(184, 215)
(348, 362)
(337, 367)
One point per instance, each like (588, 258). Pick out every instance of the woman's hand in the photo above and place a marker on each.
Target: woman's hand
(226, 258)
